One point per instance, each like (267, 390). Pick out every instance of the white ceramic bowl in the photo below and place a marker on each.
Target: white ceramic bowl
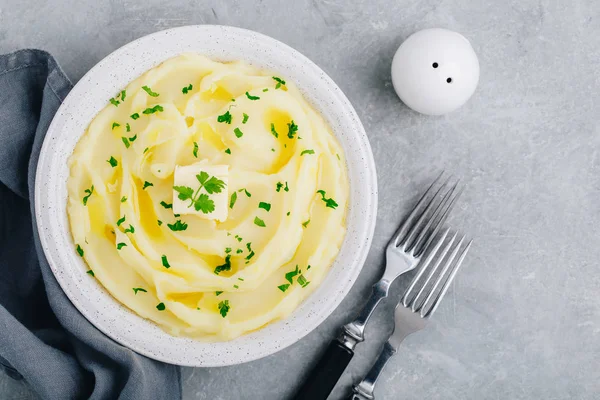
(92, 93)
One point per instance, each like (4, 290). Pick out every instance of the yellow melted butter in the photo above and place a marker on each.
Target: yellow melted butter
(257, 163)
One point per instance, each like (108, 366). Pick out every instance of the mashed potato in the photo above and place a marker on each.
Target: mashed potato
(286, 197)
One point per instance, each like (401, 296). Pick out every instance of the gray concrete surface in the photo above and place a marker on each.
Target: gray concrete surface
(523, 318)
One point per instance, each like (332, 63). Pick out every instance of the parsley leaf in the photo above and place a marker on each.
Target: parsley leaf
(245, 191)
(233, 199)
(147, 184)
(134, 116)
(178, 226)
(290, 275)
(302, 281)
(127, 127)
(149, 91)
(123, 94)
(186, 89)
(286, 188)
(227, 249)
(195, 151)
(132, 139)
(218, 292)
(130, 229)
(283, 288)
(159, 222)
(88, 194)
(228, 151)
(204, 203)
(309, 151)
(252, 97)
(115, 125)
(165, 262)
(139, 289)
(112, 161)
(238, 133)
(125, 141)
(259, 222)
(245, 118)
(236, 286)
(185, 193)
(120, 221)
(273, 131)
(279, 82)
(292, 129)
(305, 223)
(213, 185)
(226, 118)
(224, 267)
(90, 272)
(166, 205)
(279, 186)
(123, 199)
(265, 206)
(121, 245)
(328, 202)
(161, 307)
(79, 251)
(156, 108)
(145, 150)
(115, 102)
(224, 308)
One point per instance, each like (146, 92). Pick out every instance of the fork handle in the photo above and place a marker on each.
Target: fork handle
(326, 373)
(364, 390)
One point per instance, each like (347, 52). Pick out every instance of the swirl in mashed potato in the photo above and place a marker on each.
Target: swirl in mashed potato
(285, 194)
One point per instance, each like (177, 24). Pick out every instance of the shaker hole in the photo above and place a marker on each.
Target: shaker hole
(449, 80)
(435, 65)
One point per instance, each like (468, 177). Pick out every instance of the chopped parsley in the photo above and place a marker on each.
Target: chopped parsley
(224, 267)
(259, 222)
(90, 272)
(273, 131)
(132, 139)
(115, 125)
(239, 251)
(265, 90)
(145, 150)
(252, 97)
(166, 205)
(161, 307)
(281, 186)
(149, 91)
(249, 256)
(241, 279)
(245, 191)
(279, 81)
(292, 129)
(307, 268)
(115, 102)
(338, 156)
(238, 133)
(224, 308)
(79, 251)
(125, 141)
(127, 127)
(88, 193)
(131, 229)
(134, 116)
(245, 118)
(195, 151)
(264, 206)
(139, 289)
(328, 202)
(156, 108)
(286, 188)
(305, 223)
(284, 287)
(236, 286)
(288, 213)
(290, 275)
(233, 199)
(218, 292)
(187, 89)
(147, 184)
(308, 151)
(225, 118)
(159, 222)
(228, 151)
(272, 149)
(302, 281)
(178, 226)
(165, 262)
(121, 245)
(123, 199)
(228, 250)
(112, 161)
(123, 94)
(239, 238)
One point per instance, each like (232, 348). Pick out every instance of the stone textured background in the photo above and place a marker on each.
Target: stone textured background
(523, 318)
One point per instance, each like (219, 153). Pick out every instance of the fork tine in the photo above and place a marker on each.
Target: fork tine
(398, 237)
(442, 219)
(426, 232)
(416, 305)
(447, 283)
(418, 226)
(424, 266)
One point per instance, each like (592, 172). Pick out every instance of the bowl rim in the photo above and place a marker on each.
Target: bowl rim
(49, 219)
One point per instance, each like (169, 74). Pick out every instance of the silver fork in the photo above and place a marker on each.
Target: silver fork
(404, 251)
(417, 305)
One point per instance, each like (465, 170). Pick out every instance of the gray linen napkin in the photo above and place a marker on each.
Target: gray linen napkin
(43, 338)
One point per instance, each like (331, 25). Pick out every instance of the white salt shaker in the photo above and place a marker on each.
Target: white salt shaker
(435, 71)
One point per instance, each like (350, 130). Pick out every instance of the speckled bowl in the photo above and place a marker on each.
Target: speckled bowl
(92, 93)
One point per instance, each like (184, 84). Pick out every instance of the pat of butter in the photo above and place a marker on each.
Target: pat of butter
(201, 189)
